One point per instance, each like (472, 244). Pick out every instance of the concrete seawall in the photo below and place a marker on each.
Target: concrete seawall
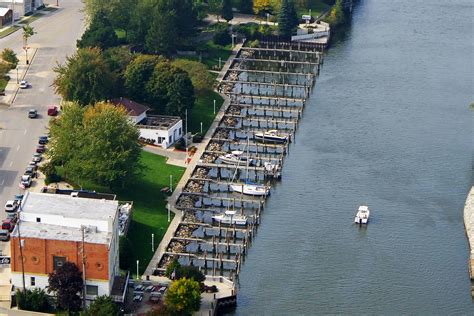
(469, 225)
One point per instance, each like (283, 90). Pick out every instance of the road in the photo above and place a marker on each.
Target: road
(55, 39)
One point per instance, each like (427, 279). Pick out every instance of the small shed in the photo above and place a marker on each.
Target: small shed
(6, 16)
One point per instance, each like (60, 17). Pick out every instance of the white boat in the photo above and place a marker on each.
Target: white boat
(229, 218)
(362, 216)
(271, 136)
(250, 189)
(235, 158)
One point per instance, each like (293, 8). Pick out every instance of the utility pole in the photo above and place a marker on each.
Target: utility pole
(83, 271)
(152, 242)
(186, 136)
(21, 252)
(171, 183)
(214, 107)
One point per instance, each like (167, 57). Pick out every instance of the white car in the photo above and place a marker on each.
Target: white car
(26, 181)
(24, 84)
(11, 206)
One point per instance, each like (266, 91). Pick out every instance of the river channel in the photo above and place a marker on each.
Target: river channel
(388, 124)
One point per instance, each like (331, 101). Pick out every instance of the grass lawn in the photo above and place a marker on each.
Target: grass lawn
(203, 111)
(317, 7)
(211, 54)
(31, 18)
(149, 204)
(48, 8)
(9, 30)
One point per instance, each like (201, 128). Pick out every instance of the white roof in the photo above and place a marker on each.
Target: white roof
(3, 11)
(363, 208)
(56, 232)
(67, 206)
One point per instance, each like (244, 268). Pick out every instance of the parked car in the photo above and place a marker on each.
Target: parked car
(40, 149)
(24, 84)
(32, 113)
(18, 198)
(155, 297)
(52, 110)
(43, 140)
(8, 224)
(30, 171)
(26, 180)
(37, 157)
(4, 235)
(136, 298)
(149, 288)
(11, 206)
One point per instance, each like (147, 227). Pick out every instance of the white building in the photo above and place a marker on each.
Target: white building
(21, 7)
(52, 228)
(158, 130)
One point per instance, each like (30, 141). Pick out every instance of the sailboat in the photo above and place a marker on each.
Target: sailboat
(230, 218)
(235, 158)
(248, 187)
(362, 216)
(271, 136)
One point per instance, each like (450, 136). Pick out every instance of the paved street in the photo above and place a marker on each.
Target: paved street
(56, 37)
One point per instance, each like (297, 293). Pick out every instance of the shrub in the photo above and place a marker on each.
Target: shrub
(9, 56)
(52, 178)
(222, 38)
(32, 300)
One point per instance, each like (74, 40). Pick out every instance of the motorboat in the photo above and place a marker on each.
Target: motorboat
(362, 216)
(250, 189)
(230, 218)
(271, 136)
(235, 158)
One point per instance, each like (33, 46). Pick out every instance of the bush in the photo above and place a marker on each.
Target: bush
(33, 300)
(52, 178)
(222, 38)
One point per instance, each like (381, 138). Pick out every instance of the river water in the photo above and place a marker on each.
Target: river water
(389, 125)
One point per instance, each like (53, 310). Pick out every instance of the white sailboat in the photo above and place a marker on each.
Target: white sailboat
(271, 136)
(235, 158)
(230, 218)
(362, 216)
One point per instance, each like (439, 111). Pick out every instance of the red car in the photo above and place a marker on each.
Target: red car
(40, 149)
(52, 110)
(8, 224)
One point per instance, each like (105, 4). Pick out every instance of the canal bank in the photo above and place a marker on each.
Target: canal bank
(388, 125)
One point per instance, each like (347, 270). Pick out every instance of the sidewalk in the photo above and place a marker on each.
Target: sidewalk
(16, 75)
(175, 158)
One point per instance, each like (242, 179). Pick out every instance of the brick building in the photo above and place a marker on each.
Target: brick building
(52, 228)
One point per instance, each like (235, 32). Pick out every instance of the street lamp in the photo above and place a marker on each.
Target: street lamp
(137, 268)
(169, 210)
(201, 128)
(152, 242)
(17, 79)
(268, 15)
(214, 107)
(171, 183)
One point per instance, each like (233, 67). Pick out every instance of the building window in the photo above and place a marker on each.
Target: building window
(170, 140)
(161, 140)
(92, 290)
(58, 261)
(32, 281)
(38, 219)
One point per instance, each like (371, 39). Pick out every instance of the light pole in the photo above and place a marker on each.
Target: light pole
(201, 128)
(171, 183)
(268, 15)
(152, 242)
(169, 210)
(233, 41)
(214, 107)
(17, 79)
(137, 268)
(220, 62)
(186, 136)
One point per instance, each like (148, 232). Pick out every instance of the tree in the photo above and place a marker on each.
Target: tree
(227, 13)
(66, 283)
(176, 271)
(28, 31)
(260, 6)
(97, 143)
(246, 6)
(180, 94)
(201, 78)
(185, 11)
(9, 56)
(100, 33)
(336, 16)
(184, 296)
(86, 77)
(103, 305)
(163, 32)
(286, 19)
(138, 73)
(34, 300)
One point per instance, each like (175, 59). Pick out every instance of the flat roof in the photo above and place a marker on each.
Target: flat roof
(68, 206)
(57, 232)
(160, 121)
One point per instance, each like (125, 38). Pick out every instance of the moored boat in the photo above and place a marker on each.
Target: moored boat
(271, 136)
(230, 218)
(250, 189)
(362, 216)
(234, 158)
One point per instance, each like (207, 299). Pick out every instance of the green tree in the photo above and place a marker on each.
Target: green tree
(286, 19)
(226, 12)
(10, 57)
(163, 32)
(66, 283)
(28, 31)
(246, 6)
(184, 296)
(180, 94)
(34, 300)
(201, 78)
(86, 77)
(103, 305)
(97, 143)
(100, 33)
(173, 267)
(138, 73)
(193, 273)
(336, 15)
(185, 11)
